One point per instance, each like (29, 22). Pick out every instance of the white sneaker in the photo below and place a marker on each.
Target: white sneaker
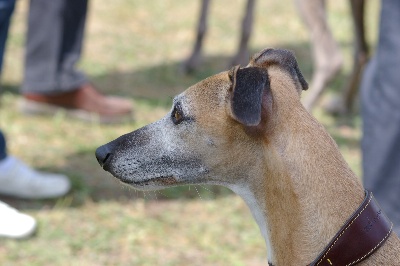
(19, 180)
(14, 224)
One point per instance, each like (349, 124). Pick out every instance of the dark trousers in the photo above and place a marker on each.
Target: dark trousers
(54, 44)
(6, 10)
(3, 149)
(380, 109)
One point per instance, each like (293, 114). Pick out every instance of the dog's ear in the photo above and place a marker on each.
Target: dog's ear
(282, 58)
(248, 85)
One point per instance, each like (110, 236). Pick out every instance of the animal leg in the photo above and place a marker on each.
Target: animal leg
(242, 56)
(194, 59)
(360, 58)
(327, 58)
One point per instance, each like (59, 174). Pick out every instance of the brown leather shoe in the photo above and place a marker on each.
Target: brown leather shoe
(85, 103)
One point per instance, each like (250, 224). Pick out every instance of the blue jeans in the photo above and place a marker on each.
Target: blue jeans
(6, 10)
(3, 151)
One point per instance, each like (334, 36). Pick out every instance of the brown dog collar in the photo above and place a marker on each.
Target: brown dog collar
(366, 230)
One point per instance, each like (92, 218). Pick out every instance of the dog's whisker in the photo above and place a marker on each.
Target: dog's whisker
(198, 193)
(207, 189)
(165, 195)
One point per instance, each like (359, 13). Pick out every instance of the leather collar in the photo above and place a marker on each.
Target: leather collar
(366, 230)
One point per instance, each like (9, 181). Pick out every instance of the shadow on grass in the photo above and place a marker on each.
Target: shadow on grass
(10, 88)
(154, 86)
(160, 83)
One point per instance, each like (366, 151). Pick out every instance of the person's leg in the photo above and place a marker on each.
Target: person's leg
(14, 224)
(3, 148)
(380, 98)
(74, 20)
(51, 81)
(19, 180)
(53, 46)
(15, 177)
(6, 10)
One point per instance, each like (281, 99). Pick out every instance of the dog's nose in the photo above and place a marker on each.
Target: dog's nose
(103, 154)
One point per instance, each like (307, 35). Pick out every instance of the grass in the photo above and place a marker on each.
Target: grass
(135, 49)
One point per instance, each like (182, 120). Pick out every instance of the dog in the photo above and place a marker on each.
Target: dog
(247, 130)
(327, 58)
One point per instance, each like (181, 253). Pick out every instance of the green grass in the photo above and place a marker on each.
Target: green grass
(135, 49)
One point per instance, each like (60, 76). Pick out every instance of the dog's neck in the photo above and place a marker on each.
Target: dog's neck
(306, 194)
(296, 216)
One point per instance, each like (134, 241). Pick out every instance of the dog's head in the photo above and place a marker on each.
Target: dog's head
(213, 132)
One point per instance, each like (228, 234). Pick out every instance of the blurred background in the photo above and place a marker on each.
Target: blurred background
(135, 49)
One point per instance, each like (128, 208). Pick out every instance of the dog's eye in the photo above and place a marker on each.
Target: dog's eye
(177, 116)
